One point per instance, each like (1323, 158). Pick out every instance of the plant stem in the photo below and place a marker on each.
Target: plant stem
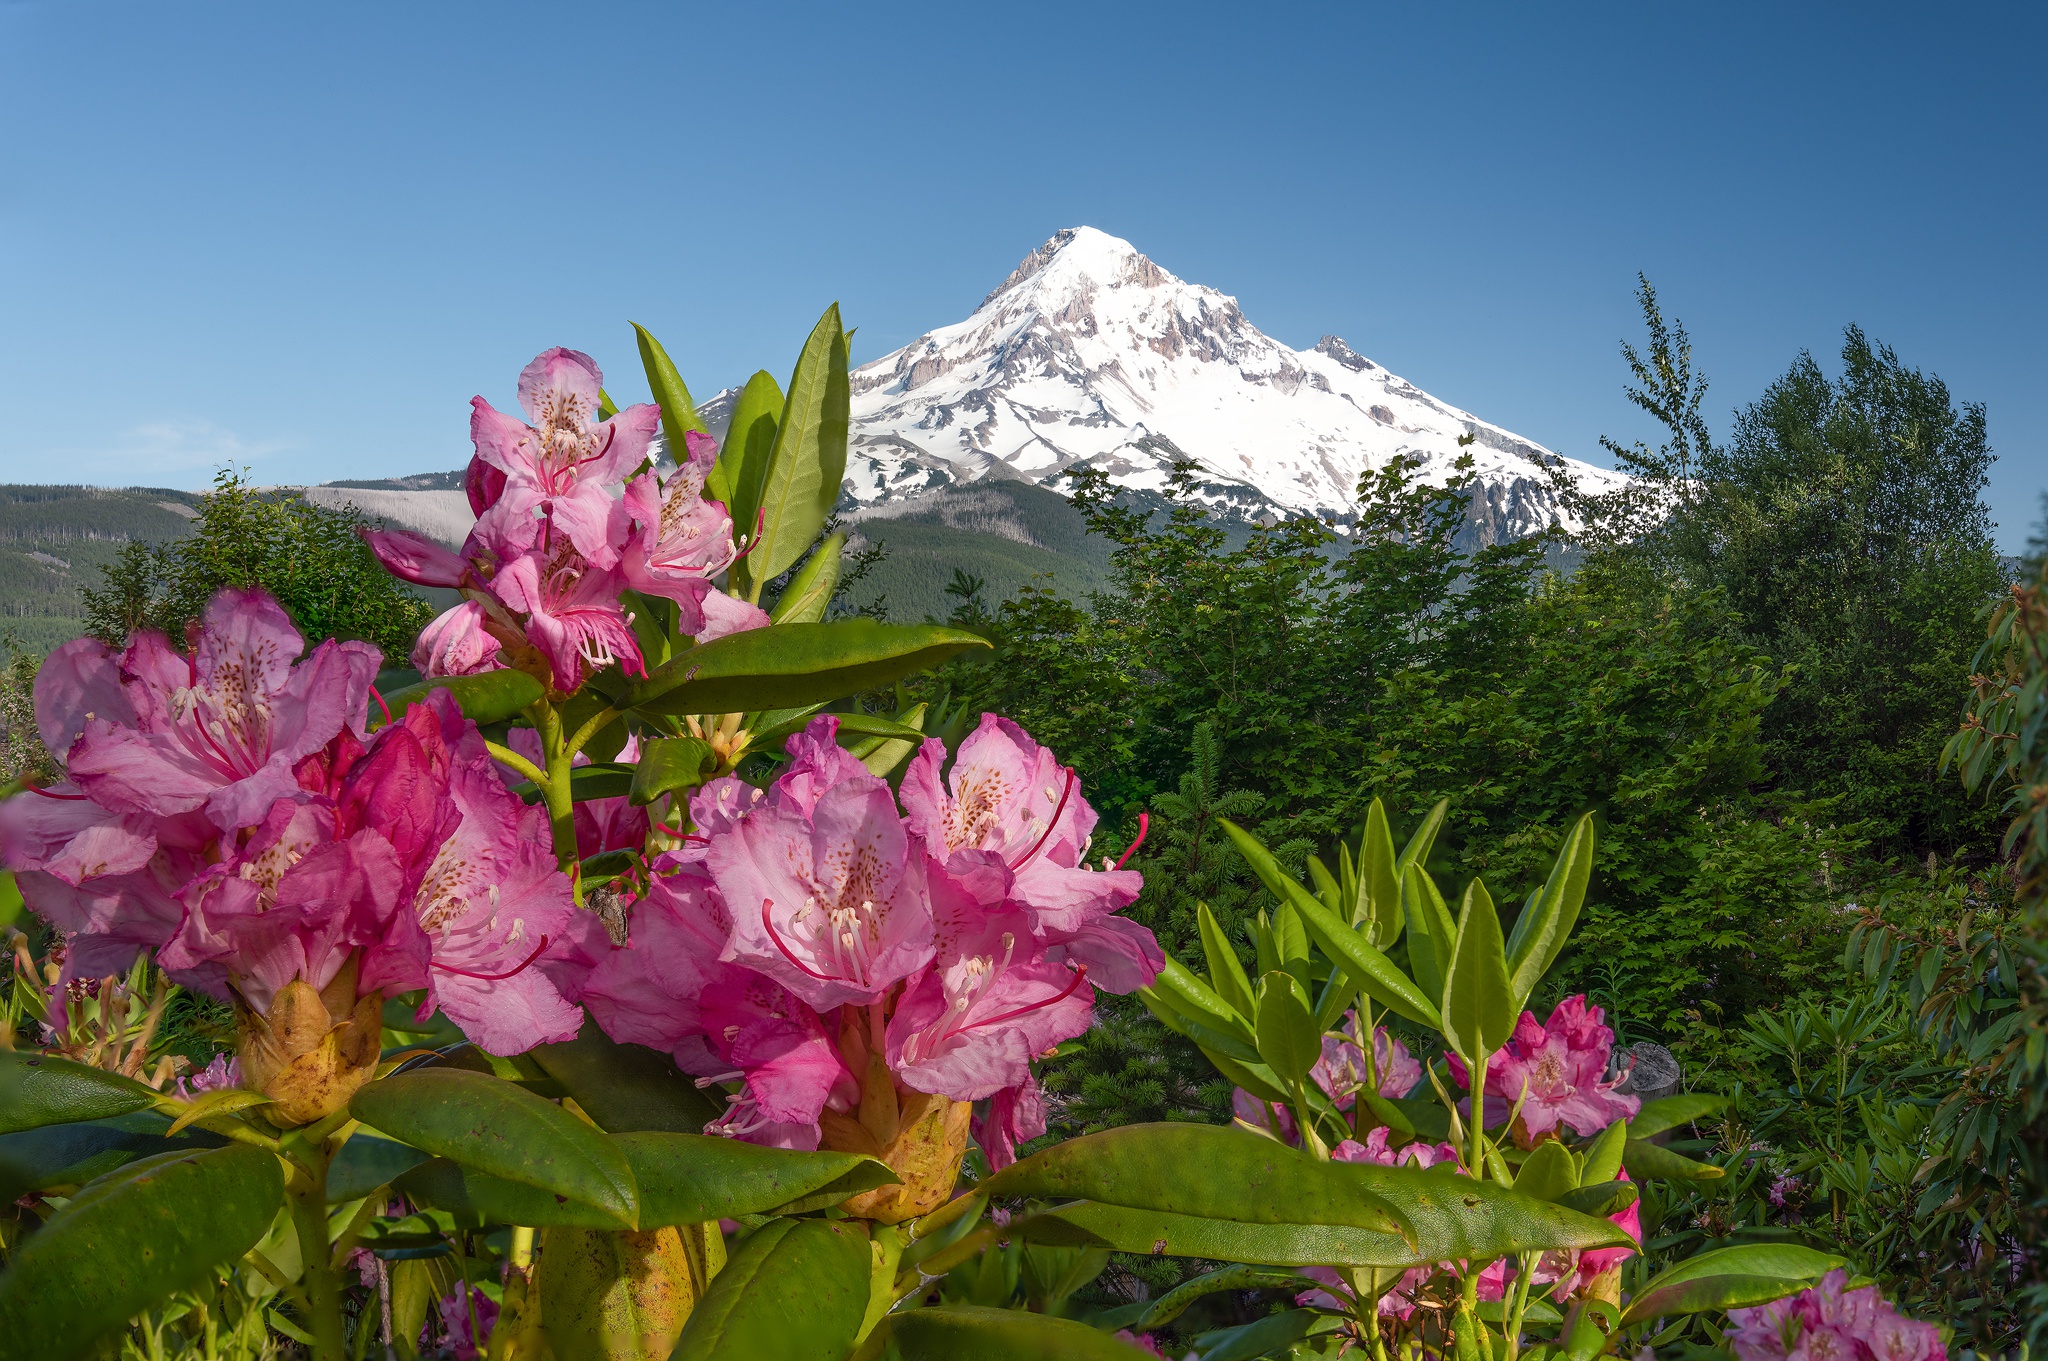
(589, 731)
(561, 809)
(1526, 1264)
(322, 1283)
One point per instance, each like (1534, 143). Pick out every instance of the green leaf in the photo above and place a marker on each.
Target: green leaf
(74, 1154)
(670, 765)
(1601, 1199)
(1288, 1038)
(129, 1239)
(804, 472)
(1175, 1302)
(475, 1197)
(1181, 990)
(1546, 924)
(1430, 932)
(1416, 852)
(1155, 1233)
(804, 600)
(1379, 879)
(1225, 973)
(1457, 1218)
(1374, 972)
(617, 1296)
(626, 1088)
(598, 780)
(1548, 1172)
(793, 1288)
(366, 1163)
(1478, 1013)
(1729, 1278)
(693, 1178)
(42, 1089)
(952, 1332)
(1290, 943)
(787, 665)
(743, 463)
(10, 900)
(1645, 1159)
(1669, 1112)
(1273, 1335)
(494, 1128)
(678, 412)
(1210, 1171)
(1601, 1160)
(488, 697)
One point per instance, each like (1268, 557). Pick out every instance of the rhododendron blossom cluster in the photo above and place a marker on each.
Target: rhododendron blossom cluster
(1833, 1322)
(229, 812)
(1557, 1072)
(570, 514)
(855, 967)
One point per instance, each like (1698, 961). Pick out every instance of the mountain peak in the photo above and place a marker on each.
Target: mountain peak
(1091, 354)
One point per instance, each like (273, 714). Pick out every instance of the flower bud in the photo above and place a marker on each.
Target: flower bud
(930, 1141)
(311, 1049)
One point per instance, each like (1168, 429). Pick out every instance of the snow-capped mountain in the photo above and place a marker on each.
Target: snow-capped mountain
(1091, 353)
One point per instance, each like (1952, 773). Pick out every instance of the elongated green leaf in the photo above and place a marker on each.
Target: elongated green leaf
(131, 1238)
(1175, 1302)
(693, 1178)
(1645, 1159)
(626, 1088)
(1157, 1233)
(598, 780)
(616, 1296)
(1288, 1038)
(670, 765)
(809, 460)
(366, 1163)
(1379, 878)
(494, 1128)
(74, 1154)
(1730, 1278)
(1456, 1217)
(1290, 943)
(1375, 973)
(1431, 933)
(793, 1290)
(1209, 1171)
(1327, 887)
(1184, 992)
(488, 697)
(1478, 1012)
(743, 462)
(1548, 1172)
(1601, 1199)
(678, 412)
(1273, 1335)
(787, 665)
(1669, 1112)
(475, 1197)
(809, 592)
(1416, 852)
(953, 1332)
(42, 1089)
(1544, 927)
(1602, 1158)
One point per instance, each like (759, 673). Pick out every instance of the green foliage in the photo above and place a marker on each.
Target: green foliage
(308, 556)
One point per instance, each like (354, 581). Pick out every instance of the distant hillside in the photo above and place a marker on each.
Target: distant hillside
(55, 539)
(1009, 534)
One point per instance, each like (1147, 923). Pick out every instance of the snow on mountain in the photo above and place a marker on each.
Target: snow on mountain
(1089, 353)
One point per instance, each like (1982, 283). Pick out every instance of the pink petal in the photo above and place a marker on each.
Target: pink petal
(79, 681)
(412, 557)
(561, 376)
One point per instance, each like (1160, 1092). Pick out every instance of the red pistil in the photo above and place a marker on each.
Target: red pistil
(1144, 825)
(494, 977)
(1080, 976)
(1061, 808)
(38, 789)
(767, 903)
(760, 523)
(380, 703)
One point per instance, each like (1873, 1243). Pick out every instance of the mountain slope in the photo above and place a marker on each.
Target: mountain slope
(1089, 353)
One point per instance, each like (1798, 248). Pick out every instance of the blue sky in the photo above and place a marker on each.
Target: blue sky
(300, 237)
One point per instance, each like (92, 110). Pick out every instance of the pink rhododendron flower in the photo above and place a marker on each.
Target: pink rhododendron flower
(1375, 1150)
(725, 615)
(457, 643)
(1341, 1071)
(416, 558)
(222, 1074)
(679, 540)
(1827, 1322)
(452, 1312)
(1008, 803)
(559, 470)
(1560, 1067)
(1578, 1269)
(572, 614)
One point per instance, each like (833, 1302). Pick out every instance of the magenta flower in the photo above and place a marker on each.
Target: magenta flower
(559, 470)
(1008, 802)
(725, 615)
(1015, 1116)
(219, 731)
(1829, 1322)
(1560, 1067)
(1579, 1269)
(572, 614)
(222, 1074)
(679, 540)
(1341, 1071)
(457, 643)
(452, 1312)
(1375, 1150)
(417, 559)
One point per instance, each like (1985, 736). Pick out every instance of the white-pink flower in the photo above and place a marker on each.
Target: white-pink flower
(1557, 1072)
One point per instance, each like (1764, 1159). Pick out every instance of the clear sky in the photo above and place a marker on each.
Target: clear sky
(300, 237)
